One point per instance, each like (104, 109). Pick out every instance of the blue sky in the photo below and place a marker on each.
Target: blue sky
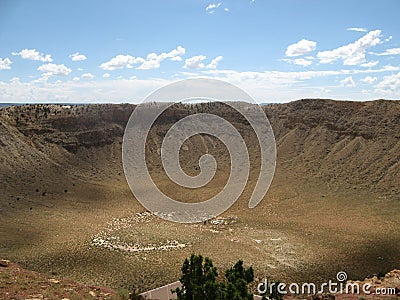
(119, 51)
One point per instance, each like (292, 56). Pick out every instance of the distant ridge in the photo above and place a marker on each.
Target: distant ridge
(27, 103)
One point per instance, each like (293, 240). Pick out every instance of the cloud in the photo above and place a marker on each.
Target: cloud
(214, 63)
(152, 60)
(226, 9)
(348, 82)
(359, 29)
(302, 62)
(79, 91)
(392, 51)
(195, 62)
(387, 68)
(5, 64)
(370, 64)
(87, 76)
(353, 53)
(77, 57)
(54, 70)
(299, 61)
(175, 54)
(369, 79)
(272, 78)
(266, 86)
(301, 47)
(32, 54)
(389, 83)
(212, 6)
(120, 62)
(106, 75)
(388, 39)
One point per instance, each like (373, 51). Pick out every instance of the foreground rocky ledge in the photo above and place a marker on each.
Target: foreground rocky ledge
(18, 283)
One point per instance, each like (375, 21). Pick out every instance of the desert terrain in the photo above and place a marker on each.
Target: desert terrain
(334, 203)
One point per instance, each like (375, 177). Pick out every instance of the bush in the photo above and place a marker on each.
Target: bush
(199, 281)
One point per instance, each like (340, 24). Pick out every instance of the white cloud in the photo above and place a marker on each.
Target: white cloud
(267, 86)
(359, 29)
(79, 91)
(369, 79)
(387, 68)
(370, 64)
(15, 80)
(214, 63)
(54, 70)
(32, 54)
(106, 75)
(301, 47)
(77, 57)
(87, 76)
(120, 62)
(212, 6)
(299, 61)
(5, 64)
(302, 62)
(195, 62)
(152, 60)
(389, 83)
(392, 51)
(226, 9)
(348, 82)
(273, 78)
(75, 79)
(388, 39)
(176, 54)
(353, 53)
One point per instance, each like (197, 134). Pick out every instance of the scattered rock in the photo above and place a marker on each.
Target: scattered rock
(35, 297)
(91, 293)
(52, 280)
(4, 263)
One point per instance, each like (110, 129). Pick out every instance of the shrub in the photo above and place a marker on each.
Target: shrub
(199, 281)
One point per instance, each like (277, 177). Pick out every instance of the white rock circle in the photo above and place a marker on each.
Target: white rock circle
(145, 115)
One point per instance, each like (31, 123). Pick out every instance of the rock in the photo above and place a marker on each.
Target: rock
(35, 297)
(52, 280)
(4, 263)
(91, 293)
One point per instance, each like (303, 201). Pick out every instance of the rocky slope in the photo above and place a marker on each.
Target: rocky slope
(351, 144)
